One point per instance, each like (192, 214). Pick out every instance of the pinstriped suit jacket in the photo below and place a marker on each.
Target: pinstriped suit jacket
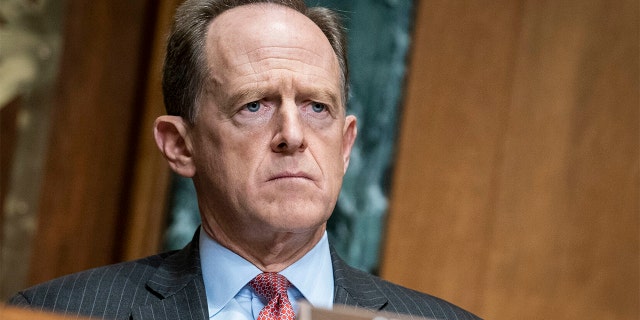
(170, 286)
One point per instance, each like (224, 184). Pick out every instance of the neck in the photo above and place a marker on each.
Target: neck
(268, 251)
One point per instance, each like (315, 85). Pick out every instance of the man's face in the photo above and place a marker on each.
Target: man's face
(271, 141)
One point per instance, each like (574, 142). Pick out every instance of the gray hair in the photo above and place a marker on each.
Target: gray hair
(185, 69)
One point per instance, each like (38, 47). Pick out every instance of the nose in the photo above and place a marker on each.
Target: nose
(289, 135)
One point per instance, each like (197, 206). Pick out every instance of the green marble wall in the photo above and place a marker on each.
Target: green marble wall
(379, 34)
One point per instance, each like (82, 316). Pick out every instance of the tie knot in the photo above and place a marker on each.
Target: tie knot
(270, 284)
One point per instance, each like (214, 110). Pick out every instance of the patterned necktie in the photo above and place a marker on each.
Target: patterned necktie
(273, 287)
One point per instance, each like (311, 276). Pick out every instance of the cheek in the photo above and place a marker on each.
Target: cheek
(210, 161)
(234, 157)
(331, 160)
(335, 147)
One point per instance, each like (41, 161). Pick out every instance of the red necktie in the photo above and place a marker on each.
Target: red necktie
(273, 287)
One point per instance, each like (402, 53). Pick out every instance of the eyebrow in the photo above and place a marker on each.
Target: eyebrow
(235, 98)
(323, 95)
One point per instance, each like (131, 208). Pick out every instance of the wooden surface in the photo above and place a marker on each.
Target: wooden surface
(146, 219)
(516, 188)
(93, 132)
(8, 137)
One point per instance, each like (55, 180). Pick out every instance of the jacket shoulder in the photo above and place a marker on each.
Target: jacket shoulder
(108, 291)
(359, 288)
(405, 300)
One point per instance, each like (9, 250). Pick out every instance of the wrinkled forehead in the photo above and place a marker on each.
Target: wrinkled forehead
(255, 32)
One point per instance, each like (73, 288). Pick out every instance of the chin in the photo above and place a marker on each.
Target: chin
(299, 218)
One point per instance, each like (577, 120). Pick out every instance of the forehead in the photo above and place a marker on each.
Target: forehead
(267, 35)
(266, 23)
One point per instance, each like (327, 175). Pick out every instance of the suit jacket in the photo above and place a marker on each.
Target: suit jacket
(170, 286)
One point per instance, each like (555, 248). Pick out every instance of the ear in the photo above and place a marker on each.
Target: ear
(171, 134)
(349, 133)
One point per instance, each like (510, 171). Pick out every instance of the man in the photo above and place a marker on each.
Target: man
(255, 94)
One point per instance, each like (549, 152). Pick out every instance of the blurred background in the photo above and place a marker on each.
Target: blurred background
(497, 166)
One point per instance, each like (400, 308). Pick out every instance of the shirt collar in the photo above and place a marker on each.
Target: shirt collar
(312, 275)
(225, 273)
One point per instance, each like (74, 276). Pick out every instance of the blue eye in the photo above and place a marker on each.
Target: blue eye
(318, 107)
(253, 106)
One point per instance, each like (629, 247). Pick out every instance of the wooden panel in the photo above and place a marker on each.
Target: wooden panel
(145, 222)
(516, 186)
(566, 236)
(8, 137)
(450, 141)
(97, 103)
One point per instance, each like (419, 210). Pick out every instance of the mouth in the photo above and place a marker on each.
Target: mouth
(290, 175)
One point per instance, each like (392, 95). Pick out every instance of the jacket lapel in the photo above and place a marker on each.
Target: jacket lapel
(178, 286)
(188, 303)
(354, 287)
(180, 291)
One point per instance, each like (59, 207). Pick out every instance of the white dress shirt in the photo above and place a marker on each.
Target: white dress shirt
(226, 276)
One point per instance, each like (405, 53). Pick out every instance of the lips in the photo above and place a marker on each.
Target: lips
(290, 175)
